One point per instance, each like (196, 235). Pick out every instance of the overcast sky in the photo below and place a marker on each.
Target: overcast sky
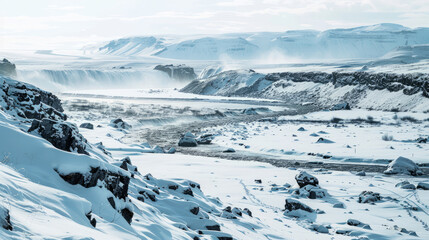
(57, 24)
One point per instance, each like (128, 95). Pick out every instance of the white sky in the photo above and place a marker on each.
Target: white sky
(59, 24)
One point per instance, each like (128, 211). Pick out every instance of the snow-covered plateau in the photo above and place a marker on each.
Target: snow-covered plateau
(293, 135)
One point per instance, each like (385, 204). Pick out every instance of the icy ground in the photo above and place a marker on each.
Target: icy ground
(273, 137)
(357, 136)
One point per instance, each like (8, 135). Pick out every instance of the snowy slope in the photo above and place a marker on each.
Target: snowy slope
(380, 91)
(361, 42)
(49, 193)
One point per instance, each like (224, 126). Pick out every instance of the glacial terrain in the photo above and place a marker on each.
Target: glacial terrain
(293, 135)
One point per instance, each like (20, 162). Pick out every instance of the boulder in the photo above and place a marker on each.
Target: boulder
(62, 135)
(187, 142)
(422, 185)
(406, 185)
(319, 228)
(369, 197)
(229, 150)
(303, 179)
(205, 139)
(120, 124)
(87, 126)
(403, 165)
(297, 209)
(341, 106)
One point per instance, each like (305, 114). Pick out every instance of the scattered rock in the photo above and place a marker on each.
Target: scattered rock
(406, 185)
(303, 179)
(205, 139)
(213, 227)
(324, 140)
(92, 220)
(120, 124)
(403, 165)
(357, 223)
(87, 125)
(187, 142)
(127, 214)
(195, 210)
(422, 185)
(319, 228)
(341, 106)
(339, 205)
(361, 173)
(62, 135)
(229, 150)
(296, 209)
(258, 181)
(301, 129)
(369, 197)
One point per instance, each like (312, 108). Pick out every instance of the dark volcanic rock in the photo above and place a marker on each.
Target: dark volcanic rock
(5, 219)
(303, 179)
(127, 214)
(92, 220)
(293, 205)
(87, 125)
(187, 142)
(180, 72)
(62, 135)
(26, 101)
(7, 68)
(369, 197)
(213, 228)
(114, 182)
(120, 124)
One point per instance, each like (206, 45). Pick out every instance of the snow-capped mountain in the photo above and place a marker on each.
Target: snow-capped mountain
(361, 42)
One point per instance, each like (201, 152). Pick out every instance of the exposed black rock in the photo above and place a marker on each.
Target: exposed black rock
(205, 139)
(195, 210)
(188, 191)
(120, 124)
(92, 220)
(187, 142)
(292, 205)
(26, 101)
(112, 202)
(180, 72)
(127, 214)
(303, 179)
(5, 219)
(214, 227)
(87, 125)
(369, 197)
(114, 182)
(422, 185)
(62, 135)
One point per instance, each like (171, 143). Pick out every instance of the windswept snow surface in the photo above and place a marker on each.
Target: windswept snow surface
(349, 136)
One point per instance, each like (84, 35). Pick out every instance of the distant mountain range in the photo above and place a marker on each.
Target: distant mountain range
(366, 42)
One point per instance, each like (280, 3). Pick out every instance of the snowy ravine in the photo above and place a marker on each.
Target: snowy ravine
(380, 91)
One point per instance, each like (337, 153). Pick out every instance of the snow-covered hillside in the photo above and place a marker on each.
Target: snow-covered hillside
(362, 42)
(56, 185)
(380, 91)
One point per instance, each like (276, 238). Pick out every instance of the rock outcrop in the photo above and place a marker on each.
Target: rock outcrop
(180, 72)
(62, 135)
